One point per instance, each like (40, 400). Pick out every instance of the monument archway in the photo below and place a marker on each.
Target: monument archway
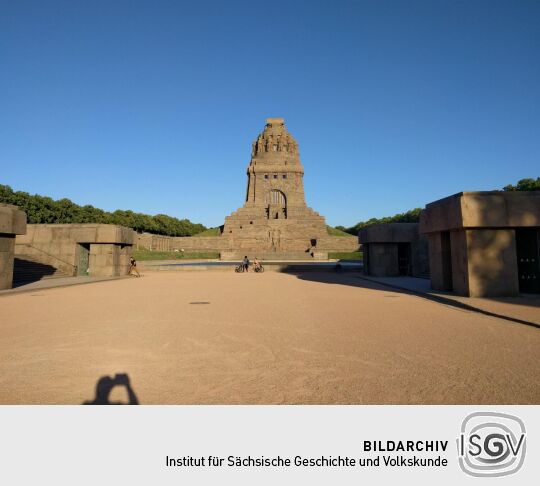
(276, 204)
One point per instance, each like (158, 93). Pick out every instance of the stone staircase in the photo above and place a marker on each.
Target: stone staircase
(28, 269)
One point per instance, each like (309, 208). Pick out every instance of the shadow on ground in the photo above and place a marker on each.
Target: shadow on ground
(105, 386)
(355, 280)
(26, 271)
(351, 279)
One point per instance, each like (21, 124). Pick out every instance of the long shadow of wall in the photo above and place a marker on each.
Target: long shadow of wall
(356, 280)
(339, 277)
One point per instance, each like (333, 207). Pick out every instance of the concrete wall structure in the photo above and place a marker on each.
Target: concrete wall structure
(484, 244)
(394, 249)
(78, 249)
(189, 243)
(12, 223)
(218, 243)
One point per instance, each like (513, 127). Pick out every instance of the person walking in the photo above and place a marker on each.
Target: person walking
(133, 267)
(245, 262)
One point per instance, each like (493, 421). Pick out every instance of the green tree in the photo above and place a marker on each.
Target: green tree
(524, 185)
(41, 209)
(411, 216)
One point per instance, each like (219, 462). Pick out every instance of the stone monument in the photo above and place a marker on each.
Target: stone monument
(274, 223)
(275, 218)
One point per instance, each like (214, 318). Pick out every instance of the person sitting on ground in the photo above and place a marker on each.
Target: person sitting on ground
(133, 267)
(256, 264)
(245, 263)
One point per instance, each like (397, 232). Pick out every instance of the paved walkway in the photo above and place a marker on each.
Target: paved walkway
(524, 309)
(269, 266)
(50, 283)
(313, 338)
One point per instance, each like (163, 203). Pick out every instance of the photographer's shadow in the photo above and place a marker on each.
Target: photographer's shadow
(105, 386)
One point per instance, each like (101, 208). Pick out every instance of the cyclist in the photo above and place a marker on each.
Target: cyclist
(256, 264)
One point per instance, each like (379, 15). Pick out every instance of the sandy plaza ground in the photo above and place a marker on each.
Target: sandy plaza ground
(273, 338)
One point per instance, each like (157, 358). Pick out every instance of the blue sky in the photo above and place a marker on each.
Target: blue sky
(153, 105)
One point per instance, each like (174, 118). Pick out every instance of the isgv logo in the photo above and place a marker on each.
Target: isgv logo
(491, 444)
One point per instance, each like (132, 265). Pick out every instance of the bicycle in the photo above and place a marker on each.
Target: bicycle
(259, 269)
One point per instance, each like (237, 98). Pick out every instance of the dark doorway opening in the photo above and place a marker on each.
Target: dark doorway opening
(83, 259)
(446, 257)
(404, 258)
(528, 256)
(365, 258)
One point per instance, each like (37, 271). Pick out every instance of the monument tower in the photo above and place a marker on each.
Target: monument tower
(275, 217)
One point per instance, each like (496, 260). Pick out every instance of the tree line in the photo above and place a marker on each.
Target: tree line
(524, 185)
(42, 210)
(413, 216)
